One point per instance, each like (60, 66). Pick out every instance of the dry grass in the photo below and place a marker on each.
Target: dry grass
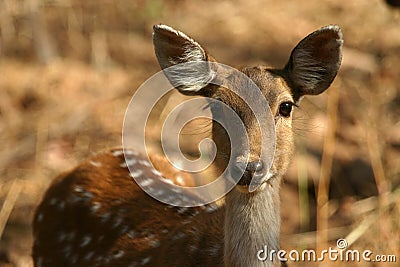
(68, 69)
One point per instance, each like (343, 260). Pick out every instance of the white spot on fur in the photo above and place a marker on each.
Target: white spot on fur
(117, 202)
(192, 248)
(165, 180)
(194, 230)
(146, 182)
(128, 163)
(53, 201)
(150, 189)
(210, 208)
(95, 206)
(67, 251)
(74, 198)
(178, 236)
(131, 152)
(176, 189)
(87, 194)
(155, 172)
(74, 259)
(61, 237)
(136, 173)
(117, 153)
(39, 217)
(184, 198)
(86, 240)
(78, 189)
(179, 179)
(159, 192)
(105, 217)
(61, 205)
(118, 221)
(214, 249)
(132, 234)
(124, 229)
(100, 238)
(177, 202)
(155, 243)
(168, 199)
(144, 163)
(89, 255)
(195, 213)
(119, 254)
(182, 210)
(145, 260)
(99, 258)
(95, 163)
(107, 259)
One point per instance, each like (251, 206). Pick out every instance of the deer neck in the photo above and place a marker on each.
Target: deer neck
(252, 223)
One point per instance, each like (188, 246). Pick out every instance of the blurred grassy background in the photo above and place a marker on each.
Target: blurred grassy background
(68, 69)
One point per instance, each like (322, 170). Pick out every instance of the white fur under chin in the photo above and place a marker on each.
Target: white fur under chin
(252, 221)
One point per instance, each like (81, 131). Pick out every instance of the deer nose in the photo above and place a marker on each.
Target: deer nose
(249, 170)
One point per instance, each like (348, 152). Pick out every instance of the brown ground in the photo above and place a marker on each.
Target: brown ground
(69, 68)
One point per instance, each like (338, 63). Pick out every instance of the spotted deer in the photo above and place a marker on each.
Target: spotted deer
(96, 215)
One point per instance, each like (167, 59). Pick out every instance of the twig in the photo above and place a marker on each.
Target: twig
(325, 173)
(303, 189)
(375, 155)
(9, 203)
(371, 218)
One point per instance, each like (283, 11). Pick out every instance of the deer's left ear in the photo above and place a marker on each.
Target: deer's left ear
(315, 61)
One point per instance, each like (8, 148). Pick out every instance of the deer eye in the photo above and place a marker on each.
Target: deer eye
(285, 109)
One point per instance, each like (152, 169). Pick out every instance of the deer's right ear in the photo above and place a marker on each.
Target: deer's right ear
(184, 61)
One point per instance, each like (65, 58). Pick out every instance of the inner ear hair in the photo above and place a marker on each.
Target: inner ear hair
(315, 61)
(184, 61)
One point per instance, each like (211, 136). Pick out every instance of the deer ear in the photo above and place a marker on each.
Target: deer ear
(315, 61)
(184, 61)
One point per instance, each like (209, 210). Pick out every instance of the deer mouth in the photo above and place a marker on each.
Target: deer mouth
(249, 176)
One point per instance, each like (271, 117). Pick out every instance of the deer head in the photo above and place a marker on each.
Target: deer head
(311, 68)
